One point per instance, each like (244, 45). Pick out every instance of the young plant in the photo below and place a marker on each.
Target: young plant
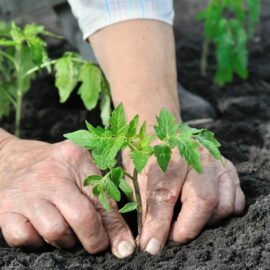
(106, 143)
(229, 24)
(23, 53)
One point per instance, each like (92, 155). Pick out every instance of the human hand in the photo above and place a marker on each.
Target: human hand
(206, 198)
(42, 199)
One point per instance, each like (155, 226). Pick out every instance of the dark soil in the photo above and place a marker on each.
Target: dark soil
(243, 128)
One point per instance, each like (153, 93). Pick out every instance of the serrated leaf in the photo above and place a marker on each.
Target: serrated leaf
(105, 108)
(83, 138)
(131, 206)
(163, 155)
(105, 155)
(208, 140)
(133, 125)
(116, 175)
(90, 76)
(186, 129)
(188, 149)
(104, 201)
(92, 180)
(113, 191)
(140, 157)
(166, 125)
(127, 190)
(118, 121)
(67, 76)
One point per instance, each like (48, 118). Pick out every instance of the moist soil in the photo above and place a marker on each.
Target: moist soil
(242, 126)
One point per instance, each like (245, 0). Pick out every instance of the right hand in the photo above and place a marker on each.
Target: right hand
(42, 199)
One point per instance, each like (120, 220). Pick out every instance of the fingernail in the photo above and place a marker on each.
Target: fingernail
(153, 246)
(125, 249)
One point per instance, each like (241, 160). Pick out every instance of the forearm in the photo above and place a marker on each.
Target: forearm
(138, 59)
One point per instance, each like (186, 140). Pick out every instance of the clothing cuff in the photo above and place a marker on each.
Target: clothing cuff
(94, 15)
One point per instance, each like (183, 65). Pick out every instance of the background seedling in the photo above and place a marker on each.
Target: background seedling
(229, 24)
(106, 143)
(23, 53)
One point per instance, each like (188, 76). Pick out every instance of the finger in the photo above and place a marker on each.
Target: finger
(83, 218)
(51, 225)
(120, 236)
(19, 232)
(199, 199)
(240, 201)
(226, 199)
(162, 192)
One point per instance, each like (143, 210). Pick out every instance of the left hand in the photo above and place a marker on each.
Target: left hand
(206, 198)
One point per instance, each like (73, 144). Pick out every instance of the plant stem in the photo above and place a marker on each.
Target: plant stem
(138, 200)
(204, 61)
(35, 69)
(19, 92)
(10, 58)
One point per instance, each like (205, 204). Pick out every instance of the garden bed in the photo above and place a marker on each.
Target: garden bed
(243, 127)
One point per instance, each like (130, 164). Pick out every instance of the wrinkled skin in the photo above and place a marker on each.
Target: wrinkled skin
(206, 198)
(42, 199)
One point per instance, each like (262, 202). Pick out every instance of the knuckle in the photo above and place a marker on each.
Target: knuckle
(55, 232)
(206, 203)
(164, 195)
(225, 210)
(71, 150)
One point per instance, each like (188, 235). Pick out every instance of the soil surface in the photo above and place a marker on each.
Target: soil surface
(243, 127)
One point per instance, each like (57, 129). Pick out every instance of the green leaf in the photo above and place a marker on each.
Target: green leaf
(83, 138)
(113, 191)
(166, 125)
(163, 155)
(92, 180)
(140, 157)
(104, 201)
(116, 175)
(37, 47)
(90, 76)
(208, 140)
(131, 206)
(118, 121)
(97, 190)
(105, 108)
(67, 76)
(5, 104)
(188, 149)
(127, 190)
(133, 125)
(104, 156)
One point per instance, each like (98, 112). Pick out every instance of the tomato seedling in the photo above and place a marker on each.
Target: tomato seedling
(23, 53)
(229, 24)
(106, 143)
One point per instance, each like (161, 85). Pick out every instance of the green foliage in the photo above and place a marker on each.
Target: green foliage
(228, 24)
(106, 143)
(23, 53)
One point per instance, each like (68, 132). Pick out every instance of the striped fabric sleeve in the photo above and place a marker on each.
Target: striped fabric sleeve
(94, 15)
